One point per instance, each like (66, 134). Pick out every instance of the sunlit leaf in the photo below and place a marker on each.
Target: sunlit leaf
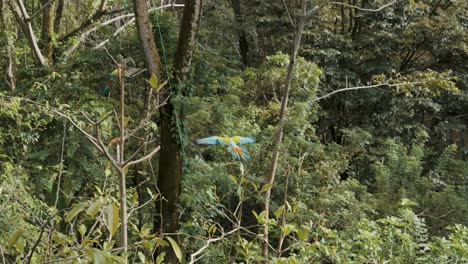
(15, 237)
(112, 218)
(176, 248)
(75, 211)
(266, 187)
(153, 81)
(94, 208)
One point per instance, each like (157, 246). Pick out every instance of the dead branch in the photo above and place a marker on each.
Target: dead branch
(364, 87)
(364, 9)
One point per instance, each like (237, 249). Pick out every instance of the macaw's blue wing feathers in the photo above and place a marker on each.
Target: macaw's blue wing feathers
(213, 140)
(239, 153)
(243, 140)
(208, 140)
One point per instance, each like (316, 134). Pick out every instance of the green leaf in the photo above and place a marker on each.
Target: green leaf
(75, 211)
(176, 248)
(153, 81)
(142, 257)
(112, 218)
(233, 179)
(279, 211)
(266, 187)
(94, 208)
(287, 229)
(162, 85)
(255, 186)
(302, 234)
(95, 255)
(15, 237)
(160, 258)
(82, 229)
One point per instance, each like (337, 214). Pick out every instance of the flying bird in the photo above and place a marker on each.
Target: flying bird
(231, 143)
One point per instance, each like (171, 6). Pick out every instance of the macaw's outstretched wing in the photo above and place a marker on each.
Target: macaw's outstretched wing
(243, 140)
(213, 140)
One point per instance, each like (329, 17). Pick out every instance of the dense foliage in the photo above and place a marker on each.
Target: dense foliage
(373, 163)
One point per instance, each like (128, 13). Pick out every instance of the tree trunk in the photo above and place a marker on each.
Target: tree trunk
(145, 32)
(59, 16)
(7, 32)
(170, 160)
(47, 29)
(121, 160)
(270, 177)
(243, 44)
(23, 19)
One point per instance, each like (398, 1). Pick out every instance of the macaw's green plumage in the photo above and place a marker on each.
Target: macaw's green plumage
(111, 78)
(231, 143)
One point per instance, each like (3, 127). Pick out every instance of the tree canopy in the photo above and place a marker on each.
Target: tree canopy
(355, 113)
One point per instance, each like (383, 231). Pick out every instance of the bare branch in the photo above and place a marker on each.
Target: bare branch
(22, 17)
(57, 194)
(107, 22)
(115, 33)
(193, 257)
(40, 10)
(151, 154)
(363, 87)
(365, 9)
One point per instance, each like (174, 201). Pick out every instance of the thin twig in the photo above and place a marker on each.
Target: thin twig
(147, 157)
(363, 87)
(364, 9)
(61, 166)
(40, 10)
(193, 257)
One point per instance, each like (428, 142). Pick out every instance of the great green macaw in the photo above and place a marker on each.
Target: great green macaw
(231, 143)
(112, 77)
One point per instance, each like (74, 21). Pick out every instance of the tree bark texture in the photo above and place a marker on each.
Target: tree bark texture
(145, 32)
(7, 38)
(243, 43)
(47, 29)
(59, 16)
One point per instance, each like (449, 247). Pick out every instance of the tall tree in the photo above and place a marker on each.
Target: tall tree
(243, 43)
(170, 160)
(47, 28)
(270, 177)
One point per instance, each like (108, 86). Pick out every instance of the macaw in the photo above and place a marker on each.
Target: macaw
(112, 77)
(239, 153)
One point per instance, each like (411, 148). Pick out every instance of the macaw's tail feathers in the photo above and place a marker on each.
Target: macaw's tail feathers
(238, 153)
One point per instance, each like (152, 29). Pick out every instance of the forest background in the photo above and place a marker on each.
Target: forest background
(358, 108)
